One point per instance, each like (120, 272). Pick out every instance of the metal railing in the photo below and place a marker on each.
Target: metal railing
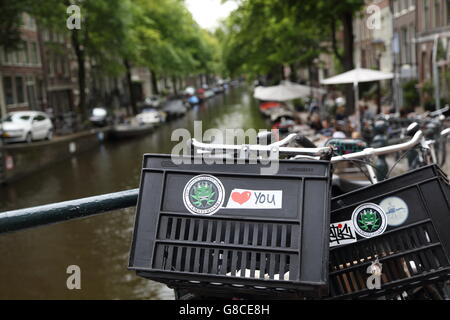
(68, 210)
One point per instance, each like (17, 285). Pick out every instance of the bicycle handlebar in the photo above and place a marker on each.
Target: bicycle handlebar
(439, 112)
(277, 147)
(445, 132)
(416, 139)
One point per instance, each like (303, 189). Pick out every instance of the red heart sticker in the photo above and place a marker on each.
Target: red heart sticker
(241, 198)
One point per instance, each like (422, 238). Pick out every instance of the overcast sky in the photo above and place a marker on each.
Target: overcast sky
(207, 13)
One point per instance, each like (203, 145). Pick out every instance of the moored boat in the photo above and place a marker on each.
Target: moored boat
(267, 107)
(132, 130)
(174, 109)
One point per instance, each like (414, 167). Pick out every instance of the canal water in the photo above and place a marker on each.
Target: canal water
(33, 263)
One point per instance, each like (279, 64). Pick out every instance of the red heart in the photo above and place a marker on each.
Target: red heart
(241, 198)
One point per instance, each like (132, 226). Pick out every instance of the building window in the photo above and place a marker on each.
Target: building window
(58, 65)
(26, 52)
(40, 90)
(24, 19)
(448, 11)
(50, 64)
(31, 23)
(65, 67)
(404, 46)
(18, 55)
(8, 90)
(426, 15)
(20, 90)
(28, 22)
(11, 57)
(31, 92)
(437, 14)
(34, 53)
(22, 53)
(45, 34)
(412, 47)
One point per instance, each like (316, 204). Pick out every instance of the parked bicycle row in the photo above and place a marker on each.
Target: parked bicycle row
(335, 237)
(383, 240)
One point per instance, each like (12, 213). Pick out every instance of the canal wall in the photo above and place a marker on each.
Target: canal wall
(20, 160)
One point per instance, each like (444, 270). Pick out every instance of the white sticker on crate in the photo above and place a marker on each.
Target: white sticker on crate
(342, 233)
(396, 211)
(255, 199)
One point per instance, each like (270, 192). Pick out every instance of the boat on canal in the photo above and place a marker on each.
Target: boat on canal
(174, 109)
(131, 130)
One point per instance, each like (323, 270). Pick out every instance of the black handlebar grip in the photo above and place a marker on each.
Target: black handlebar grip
(303, 141)
(412, 129)
(266, 137)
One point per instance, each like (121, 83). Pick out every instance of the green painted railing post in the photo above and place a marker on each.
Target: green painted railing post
(67, 210)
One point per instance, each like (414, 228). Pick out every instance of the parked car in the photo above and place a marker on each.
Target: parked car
(26, 126)
(151, 116)
(99, 117)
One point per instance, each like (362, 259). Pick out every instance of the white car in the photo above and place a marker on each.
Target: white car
(26, 126)
(150, 116)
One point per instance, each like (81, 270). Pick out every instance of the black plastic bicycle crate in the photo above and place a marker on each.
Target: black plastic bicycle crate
(279, 252)
(414, 249)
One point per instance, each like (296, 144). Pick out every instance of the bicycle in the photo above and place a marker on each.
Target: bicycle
(179, 279)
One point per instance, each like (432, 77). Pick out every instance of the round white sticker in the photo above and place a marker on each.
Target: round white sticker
(396, 210)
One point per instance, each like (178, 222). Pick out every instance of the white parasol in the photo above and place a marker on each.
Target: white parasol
(286, 91)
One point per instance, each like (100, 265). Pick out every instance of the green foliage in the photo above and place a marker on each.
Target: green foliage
(262, 35)
(159, 34)
(428, 88)
(411, 95)
(10, 22)
(428, 96)
(171, 42)
(299, 104)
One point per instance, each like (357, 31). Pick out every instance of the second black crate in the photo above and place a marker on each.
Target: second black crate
(403, 223)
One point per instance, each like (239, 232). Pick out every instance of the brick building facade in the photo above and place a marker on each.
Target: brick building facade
(415, 36)
(21, 74)
(43, 75)
(433, 46)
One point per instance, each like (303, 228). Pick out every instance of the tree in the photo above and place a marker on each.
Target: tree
(263, 35)
(104, 37)
(343, 11)
(117, 35)
(10, 23)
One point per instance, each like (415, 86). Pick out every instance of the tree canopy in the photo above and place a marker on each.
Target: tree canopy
(160, 34)
(262, 35)
(118, 34)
